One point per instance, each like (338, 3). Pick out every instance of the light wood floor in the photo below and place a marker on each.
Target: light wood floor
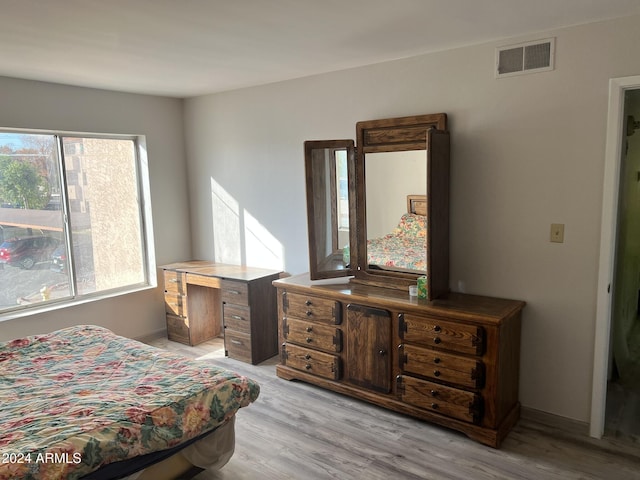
(302, 432)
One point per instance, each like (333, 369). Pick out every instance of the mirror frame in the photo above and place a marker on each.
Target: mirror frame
(322, 268)
(419, 132)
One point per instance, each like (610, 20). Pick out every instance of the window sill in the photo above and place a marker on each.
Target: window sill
(53, 305)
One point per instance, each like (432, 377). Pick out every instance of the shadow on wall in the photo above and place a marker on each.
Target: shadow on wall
(238, 237)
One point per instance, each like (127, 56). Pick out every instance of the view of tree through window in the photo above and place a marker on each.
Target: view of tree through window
(71, 218)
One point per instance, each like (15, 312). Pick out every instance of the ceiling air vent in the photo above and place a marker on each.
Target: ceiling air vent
(530, 57)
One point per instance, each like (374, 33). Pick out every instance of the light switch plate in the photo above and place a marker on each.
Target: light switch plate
(557, 232)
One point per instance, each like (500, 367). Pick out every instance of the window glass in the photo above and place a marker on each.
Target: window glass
(71, 218)
(343, 189)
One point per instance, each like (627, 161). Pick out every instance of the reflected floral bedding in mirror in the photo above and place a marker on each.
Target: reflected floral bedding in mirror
(404, 248)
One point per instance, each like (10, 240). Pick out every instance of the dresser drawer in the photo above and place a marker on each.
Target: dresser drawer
(312, 334)
(311, 361)
(237, 318)
(237, 345)
(460, 404)
(174, 282)
(312, 308)
(437, 333)
(175, 304)
(234, 292)
(178, 329)
(464, 371)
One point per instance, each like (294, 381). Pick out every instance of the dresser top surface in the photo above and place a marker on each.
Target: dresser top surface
(222, 270)
(489, 308)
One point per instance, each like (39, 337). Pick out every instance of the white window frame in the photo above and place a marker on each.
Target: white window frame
(146, 222)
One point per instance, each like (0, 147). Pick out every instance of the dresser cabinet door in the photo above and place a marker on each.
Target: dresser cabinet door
(368, 347)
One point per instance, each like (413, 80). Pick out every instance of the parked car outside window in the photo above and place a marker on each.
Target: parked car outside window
(28, 251)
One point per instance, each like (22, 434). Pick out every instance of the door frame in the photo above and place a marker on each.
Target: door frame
(608, 237)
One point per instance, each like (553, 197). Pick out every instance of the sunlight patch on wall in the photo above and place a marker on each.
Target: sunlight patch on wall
(238, 237)
(227, 240)
(262, 248)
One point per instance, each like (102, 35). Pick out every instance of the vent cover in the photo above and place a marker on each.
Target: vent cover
(530, 57)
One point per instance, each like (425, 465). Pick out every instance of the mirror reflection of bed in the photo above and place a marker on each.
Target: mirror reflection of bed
(403, 249)
(396, 231)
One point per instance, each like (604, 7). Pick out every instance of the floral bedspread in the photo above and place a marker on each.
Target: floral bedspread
(404, 248)
(79, 398)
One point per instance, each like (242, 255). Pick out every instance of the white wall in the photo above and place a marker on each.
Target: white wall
(27, 104)
(527, 151)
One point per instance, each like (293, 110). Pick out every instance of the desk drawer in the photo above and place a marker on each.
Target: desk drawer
(175, 304)
(237, 345)
(234, 292)
(178, 329)
(237, 318)
(174, 282)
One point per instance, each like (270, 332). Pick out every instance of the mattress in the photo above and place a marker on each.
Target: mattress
(80, 398)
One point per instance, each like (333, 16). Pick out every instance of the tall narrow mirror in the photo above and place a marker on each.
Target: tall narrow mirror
(327, 167)
(402, 202)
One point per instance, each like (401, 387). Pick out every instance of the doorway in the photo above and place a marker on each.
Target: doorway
(616, 377)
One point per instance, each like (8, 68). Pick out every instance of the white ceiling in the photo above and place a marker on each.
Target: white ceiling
(184, 48)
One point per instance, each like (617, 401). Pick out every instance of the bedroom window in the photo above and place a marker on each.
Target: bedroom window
(73, 223)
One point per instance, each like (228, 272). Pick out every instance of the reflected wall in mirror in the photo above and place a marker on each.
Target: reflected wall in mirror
(396, 233)
(327, 167)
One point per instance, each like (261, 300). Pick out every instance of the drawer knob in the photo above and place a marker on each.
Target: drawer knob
(308, 303)
(437, 328)
(434, 406)
(436, 373)
(434, 393)
(236, 342)
(236, 317)
(309, 329)
(436, 360)
(436, 340)
(309, 339)
(233, 292)
(308, 366)
(307, 357)
(309, 313)
(382, 353)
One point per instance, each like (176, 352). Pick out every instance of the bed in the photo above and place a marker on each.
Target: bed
(405, 248)
(83, 402)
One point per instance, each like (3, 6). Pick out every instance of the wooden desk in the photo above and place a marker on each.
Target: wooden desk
(204, 300)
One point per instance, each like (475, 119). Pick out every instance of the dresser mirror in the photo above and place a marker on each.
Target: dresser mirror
(327, 167)
(398, 197)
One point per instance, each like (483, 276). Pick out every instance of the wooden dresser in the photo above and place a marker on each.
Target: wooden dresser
(452, 361)
(204, 300)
